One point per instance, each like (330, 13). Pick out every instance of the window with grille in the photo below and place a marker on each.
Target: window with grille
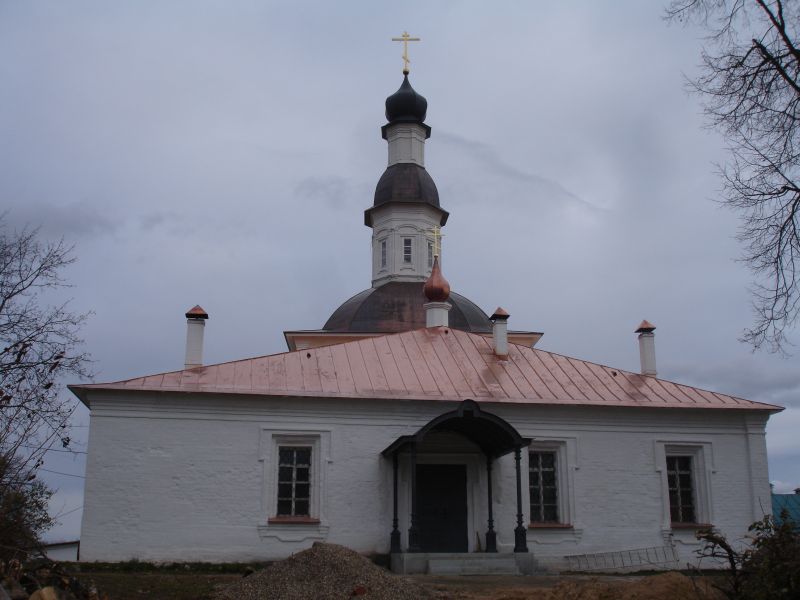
(407, 250)
(294, 481)
(543, 484)
(430, 254)
(383, 254)
(681, 489)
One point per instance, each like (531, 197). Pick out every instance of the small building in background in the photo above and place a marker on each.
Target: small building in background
(63, 551)
(789, 503)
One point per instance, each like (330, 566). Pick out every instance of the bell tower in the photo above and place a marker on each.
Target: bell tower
(405, 216)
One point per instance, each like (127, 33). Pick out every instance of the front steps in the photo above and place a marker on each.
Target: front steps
(474, 563)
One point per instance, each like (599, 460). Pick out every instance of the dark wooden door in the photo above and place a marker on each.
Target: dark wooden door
(442, 507)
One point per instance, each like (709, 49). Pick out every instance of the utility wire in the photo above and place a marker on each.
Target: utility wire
(60, 473)
(55, 449)
(69, 512)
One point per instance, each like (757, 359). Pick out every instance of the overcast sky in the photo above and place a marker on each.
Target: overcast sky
(222, 154)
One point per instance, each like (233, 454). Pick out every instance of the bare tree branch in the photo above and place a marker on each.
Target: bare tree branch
(39, 346)
(750, 87)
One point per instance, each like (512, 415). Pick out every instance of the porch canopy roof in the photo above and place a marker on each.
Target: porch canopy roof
(493, 435)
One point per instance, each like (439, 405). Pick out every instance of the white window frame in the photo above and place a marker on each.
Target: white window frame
(702, 471)
(293, 499)
(315, 526)
(564, 468)
(408, 242)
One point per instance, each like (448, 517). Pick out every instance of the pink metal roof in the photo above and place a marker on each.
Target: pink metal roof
(431, 364)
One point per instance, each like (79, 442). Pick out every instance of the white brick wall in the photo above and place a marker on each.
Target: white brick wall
(186, 477)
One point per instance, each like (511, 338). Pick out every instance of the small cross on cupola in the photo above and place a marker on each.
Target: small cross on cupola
(405, 38)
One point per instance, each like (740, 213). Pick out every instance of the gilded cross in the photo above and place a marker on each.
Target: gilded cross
(437, 235)
(405, 38)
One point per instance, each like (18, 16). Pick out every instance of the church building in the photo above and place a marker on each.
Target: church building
(415, 424)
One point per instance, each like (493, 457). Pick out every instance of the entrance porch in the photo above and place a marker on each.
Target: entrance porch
(443, 496)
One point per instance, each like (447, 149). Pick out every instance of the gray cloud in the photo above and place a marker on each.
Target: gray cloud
(489, 161)
(72, 220)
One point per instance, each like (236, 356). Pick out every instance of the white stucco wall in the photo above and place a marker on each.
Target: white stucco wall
(185, 477)
(393, 223)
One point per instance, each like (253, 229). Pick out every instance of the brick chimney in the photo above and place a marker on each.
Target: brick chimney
(500, 332)
(647, 347)
(195, 326)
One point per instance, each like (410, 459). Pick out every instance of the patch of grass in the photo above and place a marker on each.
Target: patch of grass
(157, 585)
(137, 566)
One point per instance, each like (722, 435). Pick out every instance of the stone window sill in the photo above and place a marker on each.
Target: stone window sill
(293, 521)
(549, 526)
(691, 526)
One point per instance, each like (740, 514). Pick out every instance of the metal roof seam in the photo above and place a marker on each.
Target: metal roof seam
(667, 385)
(344, 375)
(372, 362)
(633, 390)
(388, 363)
(543, 371)
(469, 354)
(558, 372)
(403, 363)
(512, 363)
(411, 344)
(434, 363)
(661, 390)
(571, 363)
(611, 382)
(523, 364)
(445, 355)
(402, 342)
(499, 371)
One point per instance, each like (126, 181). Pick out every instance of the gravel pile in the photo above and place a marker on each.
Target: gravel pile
(324, 572)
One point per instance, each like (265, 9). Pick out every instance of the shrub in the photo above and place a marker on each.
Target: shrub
(769, 569)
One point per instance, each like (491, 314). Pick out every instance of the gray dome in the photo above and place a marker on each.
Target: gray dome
(397, 306)
(405, 182)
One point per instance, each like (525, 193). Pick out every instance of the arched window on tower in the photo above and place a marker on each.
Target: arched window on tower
(383, 254)
(407, 250)
(430, 254)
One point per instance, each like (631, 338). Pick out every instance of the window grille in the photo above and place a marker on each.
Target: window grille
(681, 489)
(294, 481)
(543, 485)
(407, 250)
(430, 254)
(383, 254)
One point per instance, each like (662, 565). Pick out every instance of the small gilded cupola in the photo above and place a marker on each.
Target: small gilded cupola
(405, 215)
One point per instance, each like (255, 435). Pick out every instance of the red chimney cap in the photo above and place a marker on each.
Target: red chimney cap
(196, 313)
(645, 327)
(500, 314)
(436, 289)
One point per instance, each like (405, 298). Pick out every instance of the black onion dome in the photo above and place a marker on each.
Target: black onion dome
(397, 306)
(406, 105)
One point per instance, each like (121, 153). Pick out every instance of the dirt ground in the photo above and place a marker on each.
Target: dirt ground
(663, 586)
(200, 586)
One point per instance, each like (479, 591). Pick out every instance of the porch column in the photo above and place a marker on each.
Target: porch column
(413, 531)
(491, 536)
(520, 541)
(395, 546)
